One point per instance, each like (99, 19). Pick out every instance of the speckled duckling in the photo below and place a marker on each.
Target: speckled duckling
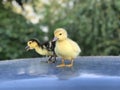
(45, 49)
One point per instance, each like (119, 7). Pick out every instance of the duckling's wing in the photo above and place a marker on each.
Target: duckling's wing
(75, 46)
(46, 45)
(49, 45)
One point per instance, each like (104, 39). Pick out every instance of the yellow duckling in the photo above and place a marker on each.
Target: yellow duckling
(65, 47)
(46, 48)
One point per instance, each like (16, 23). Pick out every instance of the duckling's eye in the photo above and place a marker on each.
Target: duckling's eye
(29, 42)
(60, 34)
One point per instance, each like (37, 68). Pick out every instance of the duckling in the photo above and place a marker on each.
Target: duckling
(65, 47)
(46, 48)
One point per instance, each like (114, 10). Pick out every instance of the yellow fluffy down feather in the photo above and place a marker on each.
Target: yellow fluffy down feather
(66, 48)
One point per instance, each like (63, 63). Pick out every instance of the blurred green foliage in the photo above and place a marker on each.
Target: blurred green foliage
(93, 24)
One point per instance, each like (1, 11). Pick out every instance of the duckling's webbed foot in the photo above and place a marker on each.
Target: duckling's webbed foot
(53, 61)
(50, 60)
(70, 65)
(61, 65)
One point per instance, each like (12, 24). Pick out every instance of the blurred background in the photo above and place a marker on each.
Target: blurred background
(93, 24)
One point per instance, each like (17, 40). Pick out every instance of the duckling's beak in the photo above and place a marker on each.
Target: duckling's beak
(55, 39)
(27, 48)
